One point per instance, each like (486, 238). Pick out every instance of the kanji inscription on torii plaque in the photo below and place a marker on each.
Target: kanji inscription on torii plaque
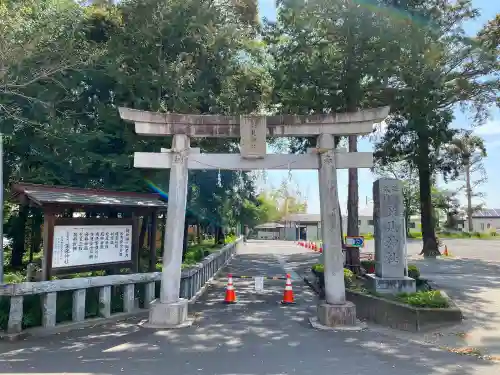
(253, 131)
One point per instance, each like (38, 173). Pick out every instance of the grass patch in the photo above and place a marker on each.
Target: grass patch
(422, 298)
(429, 298)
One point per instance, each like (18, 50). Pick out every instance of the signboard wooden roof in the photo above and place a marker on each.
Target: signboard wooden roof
(43, 195)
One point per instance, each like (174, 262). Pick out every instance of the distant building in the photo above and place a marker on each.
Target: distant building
(269, 231)
(307, 227)
(483, 221)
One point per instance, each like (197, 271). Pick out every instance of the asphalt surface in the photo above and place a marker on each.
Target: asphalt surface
(488, 250)
(256, 336)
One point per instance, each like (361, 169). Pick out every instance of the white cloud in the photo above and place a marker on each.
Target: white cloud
(491, 127)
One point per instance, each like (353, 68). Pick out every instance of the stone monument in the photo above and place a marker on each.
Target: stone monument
(389, 233)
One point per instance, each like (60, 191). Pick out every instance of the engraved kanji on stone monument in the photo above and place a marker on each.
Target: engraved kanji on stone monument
(389, 231)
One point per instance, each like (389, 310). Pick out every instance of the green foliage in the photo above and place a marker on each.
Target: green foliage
(367, 236)
(413, 271)
(318, 267)
(414, 235)
(440, 68)
(68, 66)
(430, 299)
(349, 277)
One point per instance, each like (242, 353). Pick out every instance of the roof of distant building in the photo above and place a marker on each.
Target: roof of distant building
(302, 218)
(487, 213)
(269, 226)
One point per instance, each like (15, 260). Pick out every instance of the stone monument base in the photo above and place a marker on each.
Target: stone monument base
(391, 285)
(336, 317)
(168, 315)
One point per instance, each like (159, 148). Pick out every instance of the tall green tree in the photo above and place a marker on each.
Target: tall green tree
(327, 57)
(439, 68)
(177, 56)
(468, 151)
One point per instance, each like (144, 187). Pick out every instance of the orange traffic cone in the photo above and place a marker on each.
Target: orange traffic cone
(446, 251)
(230, 294)
(288, 294)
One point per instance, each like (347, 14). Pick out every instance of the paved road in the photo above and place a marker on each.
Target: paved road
(463, 248)
(257, 336)
(471, 276)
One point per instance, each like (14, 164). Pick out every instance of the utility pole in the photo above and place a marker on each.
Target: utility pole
(1, 209)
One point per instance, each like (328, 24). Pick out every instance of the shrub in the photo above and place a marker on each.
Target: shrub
(431, 298)
(476, 234)
(413, 272)
(348, 274)
(230, 238)
(318, 267)
(348, 277)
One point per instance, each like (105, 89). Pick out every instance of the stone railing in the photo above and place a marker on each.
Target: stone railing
(193, 281)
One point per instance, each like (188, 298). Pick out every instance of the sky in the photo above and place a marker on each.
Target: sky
(307, 181)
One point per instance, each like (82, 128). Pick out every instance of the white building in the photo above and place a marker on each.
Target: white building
(365, 222)
(308, 226)
(269, 231)
(484, 221)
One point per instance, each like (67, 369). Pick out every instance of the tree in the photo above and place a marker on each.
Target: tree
(405, 173)
(150, 58)
(327, 56)
(288, 199)
(439, 68)
(447, 202)
(38, 41)
(468, 151)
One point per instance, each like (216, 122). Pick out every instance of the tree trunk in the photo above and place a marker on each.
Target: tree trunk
(220, 237)
(19, 238)
(468, 190)
(142, 233)
(163, 231)
(353, 196)
(430, 246)
(198, 233)
(36, 232)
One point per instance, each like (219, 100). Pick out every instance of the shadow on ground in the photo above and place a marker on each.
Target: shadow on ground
(474, 284)
(256, 336)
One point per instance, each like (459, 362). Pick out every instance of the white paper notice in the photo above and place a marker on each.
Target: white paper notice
(259, 284)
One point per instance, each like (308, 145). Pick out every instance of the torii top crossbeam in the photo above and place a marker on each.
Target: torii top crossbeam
(155, 123)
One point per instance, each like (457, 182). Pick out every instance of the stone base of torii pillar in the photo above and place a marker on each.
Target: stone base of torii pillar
(168, 315)
(335, 313)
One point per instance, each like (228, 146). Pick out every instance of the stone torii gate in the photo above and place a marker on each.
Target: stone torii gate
(170, 311)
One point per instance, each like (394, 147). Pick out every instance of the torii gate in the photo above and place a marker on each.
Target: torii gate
(171, 311)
